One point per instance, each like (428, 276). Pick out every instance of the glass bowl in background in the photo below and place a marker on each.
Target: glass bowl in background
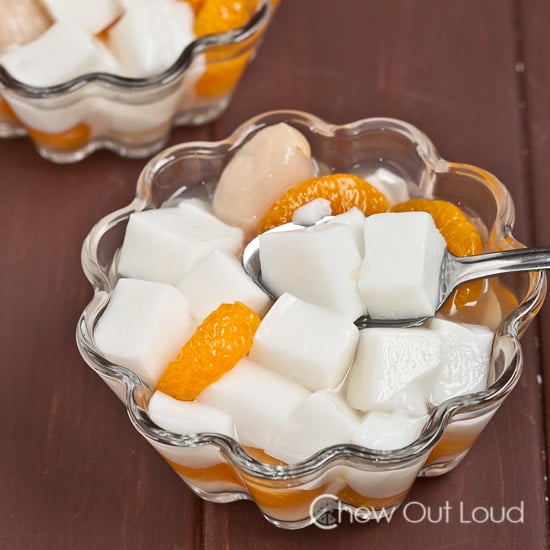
(132, 116)
(218, 468)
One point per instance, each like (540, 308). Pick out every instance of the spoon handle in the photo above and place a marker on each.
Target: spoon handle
(468, 268)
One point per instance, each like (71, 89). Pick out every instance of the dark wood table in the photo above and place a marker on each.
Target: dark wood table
(474, 75)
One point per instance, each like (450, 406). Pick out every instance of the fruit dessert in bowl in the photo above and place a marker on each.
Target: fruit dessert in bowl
(118, 74)
(284, 397)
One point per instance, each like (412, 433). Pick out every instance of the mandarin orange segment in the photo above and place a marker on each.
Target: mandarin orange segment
(218, 344)
(217, 16)
(296, 501)
(224, 66)
(450, 447)
(261, 456)
(6, 112)
(221, 77)
(222, 472)
(344, 191)
(69, 139)
(196, 5)
(462, 238)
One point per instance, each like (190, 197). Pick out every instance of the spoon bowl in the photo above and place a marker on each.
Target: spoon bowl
(454, 272)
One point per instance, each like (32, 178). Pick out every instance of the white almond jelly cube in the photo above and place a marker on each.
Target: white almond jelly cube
(394, 369)
(131, 4)
(318, 264)
(163, 245)
(91, 17)
(144, 327)
(150, 37)
(311, 212)
(322, 420)
(305, 342)
(258, 399)
(219, 278)
(400, 273)
(388, 431)
(466, 356)
(188, 417)
(61, 53)
(355, 220)
(390, 184)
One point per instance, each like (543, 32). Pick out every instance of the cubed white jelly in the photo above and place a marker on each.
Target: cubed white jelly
(390, 184)
(382, 483)
(305, 342)
(388, 431)
(196, 458)
(91, 17)
(312, 212)
(165, 244)
(143, 327)
(196, 207)
(318, 264)
(355, 220)
(219, 278)
(188, 417)
(466, 357)
(400, 273)
(108, 63)
(195, 202)
(139, 122)
(150, 37)
(258, 399)
(394, 369)
(464, 431)
(323, 419)
(130, 4)
(51, 120)
(61, 53)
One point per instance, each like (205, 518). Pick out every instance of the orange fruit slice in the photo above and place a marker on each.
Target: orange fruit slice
(261, 456)
(225, 64)
(195, 4)
(273, 497)
(221, 77)
(462, 238)
(450, 446)
(344, 191)
(216, 16)
(6, 112)
(69, 139)
(218, 344)
(222, 472)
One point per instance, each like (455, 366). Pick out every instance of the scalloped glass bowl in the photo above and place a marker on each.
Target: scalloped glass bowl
(216, 467)
(131, 116)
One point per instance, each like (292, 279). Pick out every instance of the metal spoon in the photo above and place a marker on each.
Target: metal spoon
(454, 271)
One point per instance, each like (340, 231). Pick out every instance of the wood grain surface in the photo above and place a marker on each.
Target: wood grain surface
(475, 76)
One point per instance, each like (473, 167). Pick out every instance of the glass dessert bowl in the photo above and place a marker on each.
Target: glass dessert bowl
(131, 115)
(217, 467)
